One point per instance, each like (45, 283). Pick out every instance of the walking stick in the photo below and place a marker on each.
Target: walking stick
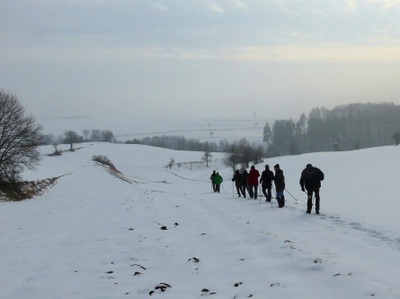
(291, 194)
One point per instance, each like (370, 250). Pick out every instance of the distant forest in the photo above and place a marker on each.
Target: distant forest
(346, 127)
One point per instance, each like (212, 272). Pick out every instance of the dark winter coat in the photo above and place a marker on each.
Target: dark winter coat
(237, 178)
(243, 178)
(267, 176)
(213, 175)
(253, 176)
(311, 177)
(279, 180)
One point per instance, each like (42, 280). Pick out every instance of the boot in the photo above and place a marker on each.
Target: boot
(281, 201)
(269, 197)
(309, 206)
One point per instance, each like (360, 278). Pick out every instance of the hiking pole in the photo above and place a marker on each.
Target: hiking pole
(222, 184)
(273, 190)
(291, 194)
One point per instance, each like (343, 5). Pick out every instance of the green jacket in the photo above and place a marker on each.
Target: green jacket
(217, 179)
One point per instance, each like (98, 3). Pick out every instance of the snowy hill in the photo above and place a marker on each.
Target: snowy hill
(162, 233)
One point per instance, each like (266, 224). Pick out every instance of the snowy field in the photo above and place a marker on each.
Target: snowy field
(155, 232)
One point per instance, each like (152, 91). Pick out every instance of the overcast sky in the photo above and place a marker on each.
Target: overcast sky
(137, 66)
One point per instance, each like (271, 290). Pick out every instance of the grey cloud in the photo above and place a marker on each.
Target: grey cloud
(197, 24)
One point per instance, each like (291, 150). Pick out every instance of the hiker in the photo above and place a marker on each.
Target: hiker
(267, 176)
(310, 179)
(237, 178)
(212, 181)
(252, 182)
(217, 180)
(279, 180)
(243, 179)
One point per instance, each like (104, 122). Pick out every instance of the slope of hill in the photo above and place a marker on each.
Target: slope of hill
(162, 233)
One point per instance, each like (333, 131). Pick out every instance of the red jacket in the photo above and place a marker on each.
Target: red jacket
(252, 178)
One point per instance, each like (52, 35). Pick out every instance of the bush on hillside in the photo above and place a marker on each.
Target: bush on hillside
(103, 160)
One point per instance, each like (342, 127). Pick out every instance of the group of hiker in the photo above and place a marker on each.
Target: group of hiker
(216, 181)
(310, 182)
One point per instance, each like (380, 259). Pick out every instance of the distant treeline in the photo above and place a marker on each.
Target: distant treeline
(72, 137)
(347, 127)
(179, 143)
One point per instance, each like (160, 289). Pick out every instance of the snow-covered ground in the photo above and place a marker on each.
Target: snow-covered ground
(162, 233)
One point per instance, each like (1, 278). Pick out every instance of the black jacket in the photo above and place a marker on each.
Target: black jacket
(279, 180)
(244, 178)
(267, 177)
(237, 178)
(311, 177)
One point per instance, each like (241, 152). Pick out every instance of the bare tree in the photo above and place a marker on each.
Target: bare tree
(71, 137)
(171, 163)
(107, 136)
(57, 152)
(232, 156)
(244, 152)
(256, 153)
(20, 136)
